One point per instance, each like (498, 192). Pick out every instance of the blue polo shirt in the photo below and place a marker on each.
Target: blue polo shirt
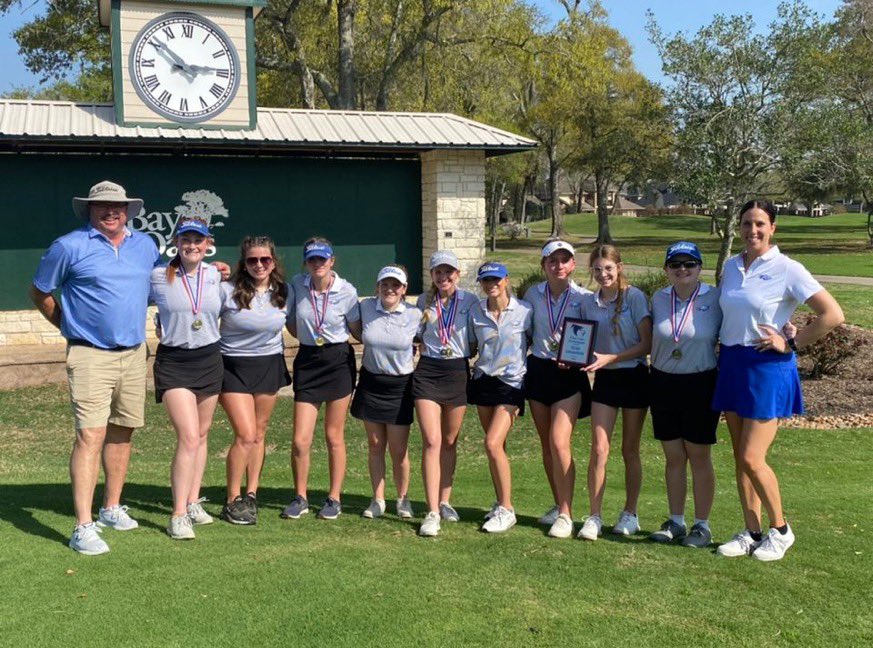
(104, 289)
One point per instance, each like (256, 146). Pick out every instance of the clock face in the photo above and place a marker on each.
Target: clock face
(184, 67)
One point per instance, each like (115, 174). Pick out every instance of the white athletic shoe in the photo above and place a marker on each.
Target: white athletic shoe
(404, 509)
(627, 524)
(774, 546)
(375, 510)
(562, 528)
(548, 518)
(197, 514)
(501, 521)
(116, 517)
(87, 541)
(742, 544)
(491, 511)
(591, 528)
(430, 527)
(181, 528)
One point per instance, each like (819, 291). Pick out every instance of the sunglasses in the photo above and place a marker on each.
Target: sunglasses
(688, 265)
(264, 261)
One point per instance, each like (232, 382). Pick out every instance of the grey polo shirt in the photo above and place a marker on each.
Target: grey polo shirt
(388, 337)
(174, 308)
(253, 331)
(634, 309)
(342, 308)
(428, 331)
(699, 337)
(541, 331)
(502, 342)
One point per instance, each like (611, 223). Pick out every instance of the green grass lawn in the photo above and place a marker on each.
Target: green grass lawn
(356, 582)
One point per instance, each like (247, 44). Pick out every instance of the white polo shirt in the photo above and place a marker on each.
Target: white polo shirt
(502, 342)
(767, 293)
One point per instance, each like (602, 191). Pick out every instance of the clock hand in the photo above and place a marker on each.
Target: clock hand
(178, 60)
(202, 68)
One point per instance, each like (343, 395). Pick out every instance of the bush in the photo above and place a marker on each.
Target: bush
(829, 353)
(530, 279)
(650, 281)
(514, 230)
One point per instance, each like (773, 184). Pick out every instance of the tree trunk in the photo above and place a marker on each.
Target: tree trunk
(601, 185)
(524, 189)
(870, 226)
(727, 240)
(497, 197)
(346, 95)
(554, 198)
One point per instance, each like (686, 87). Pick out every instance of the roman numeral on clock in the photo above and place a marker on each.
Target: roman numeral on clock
(165, 97)
(151, 82)
(203, 103)
(147, 63)
(222, 74)
(219, 54)
(187, 31)
(216, 90)
(183, 104)
(169, 32)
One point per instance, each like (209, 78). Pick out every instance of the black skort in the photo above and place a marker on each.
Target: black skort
(489, 391)
(324, 373)
(198, 370)
(547, 383)
(255, 374)
(626, 387)
(681, 406)
(380, 398)
(441, 381)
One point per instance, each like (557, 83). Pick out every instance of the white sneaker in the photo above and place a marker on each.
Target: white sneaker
(87, 541)
(562, 528)
(548, 518)
(430, 527)
(116, 517)
(774, 546)
(404, 509)
(491, 511)
(742, 544)
(181, 528)
(591, 528)
(501, 521)
(197, 514)
(627, 524)
(448, 512)
(375, 510)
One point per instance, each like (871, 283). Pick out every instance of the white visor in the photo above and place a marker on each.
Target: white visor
(392, 272)
(553, 246)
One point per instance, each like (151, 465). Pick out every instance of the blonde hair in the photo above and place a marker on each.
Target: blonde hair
(610, 253)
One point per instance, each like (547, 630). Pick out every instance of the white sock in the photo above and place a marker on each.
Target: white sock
(703, 523)
(678, 519)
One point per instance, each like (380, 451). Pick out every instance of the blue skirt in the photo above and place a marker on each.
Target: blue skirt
(757, 385)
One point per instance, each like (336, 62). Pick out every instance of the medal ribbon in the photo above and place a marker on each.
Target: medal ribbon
(554, 321)
(319, 317)
(446, 318)
(196, 299)
(677, 332)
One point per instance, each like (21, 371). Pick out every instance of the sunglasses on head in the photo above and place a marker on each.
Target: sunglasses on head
(688, 265)
(264, 261)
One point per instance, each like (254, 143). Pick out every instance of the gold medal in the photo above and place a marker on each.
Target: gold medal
(553, 345)
(446, 352)
(319, 341)
(197, 324)
(676, 354)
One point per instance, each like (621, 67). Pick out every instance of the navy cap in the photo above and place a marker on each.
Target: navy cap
(193, 225)
(686, 248)
(317, 249)
(492, 271)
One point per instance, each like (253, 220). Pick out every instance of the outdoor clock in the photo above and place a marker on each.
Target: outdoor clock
(184, 67)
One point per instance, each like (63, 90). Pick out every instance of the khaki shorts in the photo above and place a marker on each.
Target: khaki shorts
(107, 386)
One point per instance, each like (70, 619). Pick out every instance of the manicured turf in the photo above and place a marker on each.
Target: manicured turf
(355, 582)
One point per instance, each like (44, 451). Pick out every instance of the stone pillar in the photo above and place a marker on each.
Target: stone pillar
(453, 209)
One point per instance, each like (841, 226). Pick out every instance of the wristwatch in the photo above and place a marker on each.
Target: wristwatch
(791, 344)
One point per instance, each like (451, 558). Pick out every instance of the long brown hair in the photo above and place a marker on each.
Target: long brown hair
(244, 288)
(610, 253)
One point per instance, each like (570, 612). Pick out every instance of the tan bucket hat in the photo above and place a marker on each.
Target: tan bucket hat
(106, 191)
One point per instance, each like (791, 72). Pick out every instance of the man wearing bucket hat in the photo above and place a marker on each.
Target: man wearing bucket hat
(102, 272)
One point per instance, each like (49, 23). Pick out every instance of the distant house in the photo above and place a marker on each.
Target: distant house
(798, 208)
(625, 207)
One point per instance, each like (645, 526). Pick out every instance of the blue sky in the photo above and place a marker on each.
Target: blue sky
(628, 16)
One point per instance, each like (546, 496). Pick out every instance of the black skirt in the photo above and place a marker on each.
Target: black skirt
(681, 406)
(441, 381)
(547, 383)
(198, 370)
(628, 387)
(255, 374)
(380, 398)
(489, 391)
(325, 373)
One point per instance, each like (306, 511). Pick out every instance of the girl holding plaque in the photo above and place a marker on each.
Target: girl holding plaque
(324, 310)
(757, 369)
(188, 369)
(686, 319)
(621, 381)
(439, 384)
(558, 394)
(501, 324)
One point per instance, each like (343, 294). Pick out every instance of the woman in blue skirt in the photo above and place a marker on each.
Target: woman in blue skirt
(757, 380)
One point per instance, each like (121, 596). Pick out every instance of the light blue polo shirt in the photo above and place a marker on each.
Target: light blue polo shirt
(698, 338)
(634, 309)
(175, 311)
(252, 331)
(428, 332)
(502, 342)
(104, 289)
(388, 337)
(541, 333)
(342, 308)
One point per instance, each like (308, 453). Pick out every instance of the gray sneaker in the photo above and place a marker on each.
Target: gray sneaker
(236, 512)
(197, 514)
(448, 513)
(87, 541)
(669, 532)
(404, 509)
(181, 527)
(250, 501)
(699, 537)
(298, 506)
(116, 517)
(330, 510)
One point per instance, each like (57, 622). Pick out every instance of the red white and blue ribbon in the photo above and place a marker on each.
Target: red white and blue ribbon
(555, 320)
(319, 317)
(195, 298)
(446, 318)
(674, 299)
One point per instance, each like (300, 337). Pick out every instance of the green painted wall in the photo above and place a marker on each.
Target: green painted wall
(370, 209)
